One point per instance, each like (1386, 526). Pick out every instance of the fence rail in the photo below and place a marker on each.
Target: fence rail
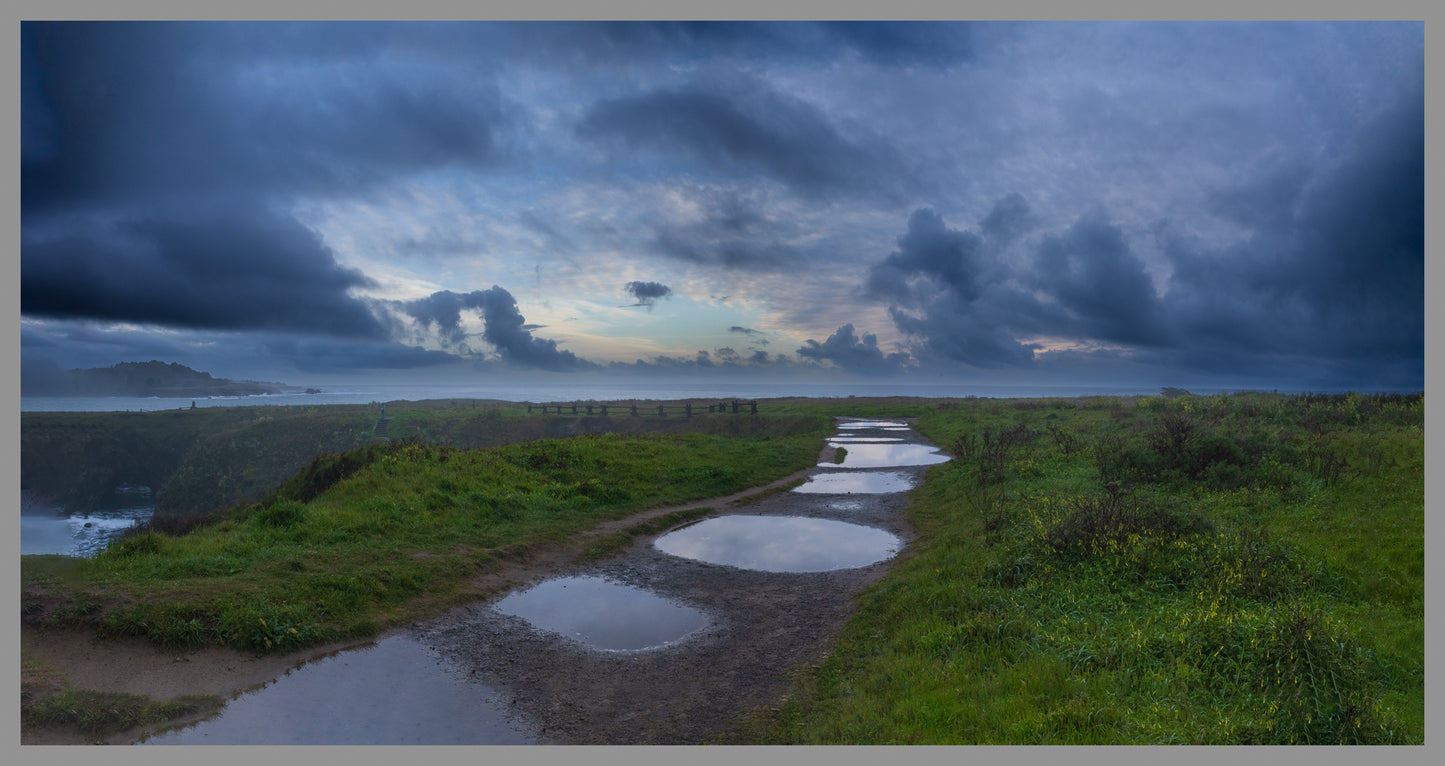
(733, 406)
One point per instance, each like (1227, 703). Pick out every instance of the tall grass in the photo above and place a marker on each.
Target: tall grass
(1208, 570)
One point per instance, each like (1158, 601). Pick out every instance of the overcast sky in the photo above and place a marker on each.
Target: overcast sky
(1138, 204)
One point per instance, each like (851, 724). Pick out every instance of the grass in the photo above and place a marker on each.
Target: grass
(1205, 570)
(386, 533)
(46, 699)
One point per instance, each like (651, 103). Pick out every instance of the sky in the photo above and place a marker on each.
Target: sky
(1036, 203)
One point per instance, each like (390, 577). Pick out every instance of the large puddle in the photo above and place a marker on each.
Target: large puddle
(780, 543)
(864, 439)
(396, 692)
(888, 456)
(603, 614)
(856, 424)
(855, 482)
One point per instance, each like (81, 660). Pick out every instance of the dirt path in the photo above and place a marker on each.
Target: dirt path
(764, 625)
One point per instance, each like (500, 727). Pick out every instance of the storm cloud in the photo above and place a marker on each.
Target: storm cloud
(990, 200)
(504, 327)
(743, 130)
(854, 354)
(231, 272)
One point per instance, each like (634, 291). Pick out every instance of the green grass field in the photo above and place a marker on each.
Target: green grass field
(1204, 570)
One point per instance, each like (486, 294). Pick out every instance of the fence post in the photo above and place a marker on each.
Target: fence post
(735, 406)
(660, 411)
(589, 409)
(755, 406)
(687, 408)
(634, 410)
(604, 410)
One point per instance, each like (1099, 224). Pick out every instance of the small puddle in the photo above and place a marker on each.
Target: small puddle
(852, 424)
(864, 439)
(396, 692)
(603, 614)
(780, 543)
(859, 482)
(888, 456)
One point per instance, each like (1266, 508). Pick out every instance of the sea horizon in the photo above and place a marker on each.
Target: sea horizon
(365, 393)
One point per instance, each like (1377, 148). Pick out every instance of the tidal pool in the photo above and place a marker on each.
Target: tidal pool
(852, 424)
(395, 692)
(888, 456)
(604, 614)
(780, 543)
(49, 529)
(855, 482)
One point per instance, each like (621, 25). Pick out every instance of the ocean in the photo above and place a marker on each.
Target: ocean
(574, 392)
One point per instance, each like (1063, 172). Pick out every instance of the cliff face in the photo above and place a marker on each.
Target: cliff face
(151, 378)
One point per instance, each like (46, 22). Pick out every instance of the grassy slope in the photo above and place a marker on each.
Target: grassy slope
(1269, 594)
(395, 537)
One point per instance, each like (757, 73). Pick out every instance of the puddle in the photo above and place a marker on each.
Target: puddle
(780, 543)
(860, 482)
(888, 456)
(603, 614)
(864, 439)
(396, 692)
(852, 424)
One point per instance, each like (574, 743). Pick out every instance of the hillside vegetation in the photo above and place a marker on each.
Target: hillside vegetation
(1206, 570)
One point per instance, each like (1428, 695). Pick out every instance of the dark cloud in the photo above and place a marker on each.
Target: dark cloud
(734, 231)
(854, 354)
(942, 257)
(1093, 275)
(120, 113)
(614, 43)
(1010, 218)
(744, 131)
(944, 287)
(647, 293)
(503, 326)
(243, 270)
(1334, 263)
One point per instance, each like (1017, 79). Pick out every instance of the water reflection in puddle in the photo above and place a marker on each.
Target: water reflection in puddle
(888, 456)
(864, 439)
(852, 424)
(396, 692)
(780, 543)
(861, 482)
(602, 614)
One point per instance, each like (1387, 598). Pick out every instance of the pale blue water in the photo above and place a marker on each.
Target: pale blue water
(603, 614)
(780, 543)
(46, 529)
(580, 391)
(395, 692)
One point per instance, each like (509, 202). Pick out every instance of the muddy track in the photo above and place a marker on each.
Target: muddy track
(764, 626)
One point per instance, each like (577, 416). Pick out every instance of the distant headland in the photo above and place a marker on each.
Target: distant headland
(147, 379)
